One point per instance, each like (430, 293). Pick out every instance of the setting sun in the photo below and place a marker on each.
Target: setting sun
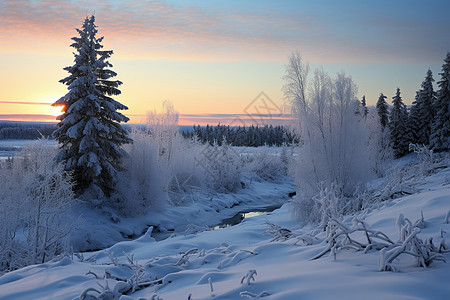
(56, 110)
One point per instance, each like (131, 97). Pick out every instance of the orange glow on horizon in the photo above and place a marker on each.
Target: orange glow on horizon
(56, 110)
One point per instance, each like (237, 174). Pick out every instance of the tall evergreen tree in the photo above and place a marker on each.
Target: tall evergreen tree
(398, 125)
(440, 136)
(427, 97)
(89, 131)
(415, 120)
(383, 111)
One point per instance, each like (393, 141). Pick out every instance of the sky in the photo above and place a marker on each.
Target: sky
(218, 61)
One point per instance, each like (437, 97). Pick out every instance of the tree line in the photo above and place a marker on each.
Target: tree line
(426, 122)
(250, 136)
(25, 131)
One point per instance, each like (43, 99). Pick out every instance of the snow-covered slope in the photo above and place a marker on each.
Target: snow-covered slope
(219, 264)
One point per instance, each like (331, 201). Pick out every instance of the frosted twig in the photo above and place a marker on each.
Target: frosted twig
(211, 286)
(113, 259)
(256, 296)
(92, 273)
(278, 233)
(86, 291)
(249, 276)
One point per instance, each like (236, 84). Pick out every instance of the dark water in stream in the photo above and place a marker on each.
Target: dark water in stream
(234, 220)
(240, 216)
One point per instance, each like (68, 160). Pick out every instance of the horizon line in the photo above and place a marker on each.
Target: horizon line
(184, 119)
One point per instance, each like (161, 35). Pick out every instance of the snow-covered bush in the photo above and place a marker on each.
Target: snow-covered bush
(223, 167)
(141, 185)
(186, 177)
(269, 166)
(163, 129)
(151, 162)
(164, 168)
(379, 145)
(428, 161)
(327, 204)
(35, 194)
(396, 183)
(335, 137)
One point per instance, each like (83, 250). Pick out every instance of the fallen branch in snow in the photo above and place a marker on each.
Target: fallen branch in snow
(185, 257)
(278, 233)
(106, 293)
(84, 294)
(92, 273)
(235, 257)
(424, 252)
(339, 237)
(256, 296)
(249, 276)
(306, 239)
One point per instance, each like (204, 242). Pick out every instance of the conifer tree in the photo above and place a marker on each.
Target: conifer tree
(364, 106)
(382, 110)
(440, 136)
(414, 120)
(89, 131)
(422, 111)
(398, 126)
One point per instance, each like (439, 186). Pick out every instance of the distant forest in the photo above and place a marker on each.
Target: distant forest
(25, 130)
(250, 136)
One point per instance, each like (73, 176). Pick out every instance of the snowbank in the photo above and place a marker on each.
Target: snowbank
(219, 264)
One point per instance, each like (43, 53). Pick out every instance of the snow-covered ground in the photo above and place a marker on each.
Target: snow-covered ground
(245, 261)
(201, 211)
(9, 148)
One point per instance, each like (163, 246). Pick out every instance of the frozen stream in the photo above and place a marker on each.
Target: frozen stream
(241, 216)
(227, 222)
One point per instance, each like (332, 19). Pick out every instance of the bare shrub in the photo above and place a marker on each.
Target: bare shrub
(35, 194)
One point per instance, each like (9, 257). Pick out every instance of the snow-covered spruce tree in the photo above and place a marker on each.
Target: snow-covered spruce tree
(398, 126)
(422, 111)
(440, 129)
(383, 110)
(380, 138)
(427, 99)
(90, 134)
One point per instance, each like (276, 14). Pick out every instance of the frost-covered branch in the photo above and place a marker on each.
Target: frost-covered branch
(252, 295)
(278, 233)
(247, 278)
(339, 237)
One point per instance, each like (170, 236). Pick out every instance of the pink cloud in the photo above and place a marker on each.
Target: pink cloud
(149, 25)
(25, 102)
(325, 32)
(28, 117)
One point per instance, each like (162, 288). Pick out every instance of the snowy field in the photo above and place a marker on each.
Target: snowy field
(8, 148)
(253, 259)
